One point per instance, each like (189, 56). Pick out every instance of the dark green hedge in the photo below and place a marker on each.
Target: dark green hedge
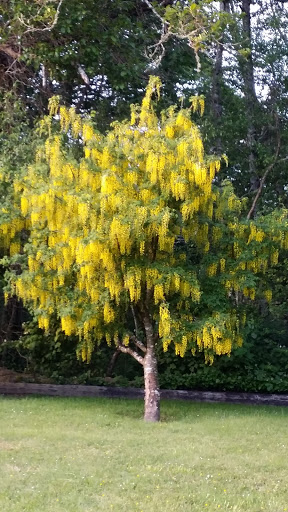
(261, 365)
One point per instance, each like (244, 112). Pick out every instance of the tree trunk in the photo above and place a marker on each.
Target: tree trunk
(217, 79)
(247, 67)
(152, 394)
(112, 363)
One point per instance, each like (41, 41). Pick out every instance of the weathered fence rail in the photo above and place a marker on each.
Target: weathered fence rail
(64, 390)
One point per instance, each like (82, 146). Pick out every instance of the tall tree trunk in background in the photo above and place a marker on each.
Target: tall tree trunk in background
(217, 78)
(152, 393)
(112, 363)
(247, 69)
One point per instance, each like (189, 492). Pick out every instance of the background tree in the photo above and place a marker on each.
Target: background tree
(97, 63)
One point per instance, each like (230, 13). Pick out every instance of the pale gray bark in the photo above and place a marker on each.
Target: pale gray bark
(152, 393)
(148, 360)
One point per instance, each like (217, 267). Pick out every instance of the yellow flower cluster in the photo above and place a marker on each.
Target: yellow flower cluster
(108, 313)
(158, 293)
(180, 348)
(274, 256)
(68, 325)
(164, 325)
(43, 322)
(255, 234)
(222, 264)
(198, 103)
(132, 283)
(212, 269)
(249, 293)
(15, 248)
(268, 295)
(256, 265)
(120, 236)
(217, 338)
(236, 250)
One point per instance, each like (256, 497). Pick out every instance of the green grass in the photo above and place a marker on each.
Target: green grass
(85, 455)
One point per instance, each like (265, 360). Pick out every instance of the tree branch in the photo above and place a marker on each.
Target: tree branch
(112, 362)
(135, 321)
(133, 353)
(49, 27)
(154, 11)
(83, 75)
(138, 344)
(157, 51)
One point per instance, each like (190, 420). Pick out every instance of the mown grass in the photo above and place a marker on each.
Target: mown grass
(85, 455)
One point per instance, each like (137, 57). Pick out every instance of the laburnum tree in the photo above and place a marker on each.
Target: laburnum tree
(130, 240)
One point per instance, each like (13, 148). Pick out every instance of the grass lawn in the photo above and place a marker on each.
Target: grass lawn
(84, 455)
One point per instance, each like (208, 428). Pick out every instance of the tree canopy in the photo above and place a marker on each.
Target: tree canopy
(129, 226)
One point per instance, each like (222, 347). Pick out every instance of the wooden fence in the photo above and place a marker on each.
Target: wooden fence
(23, 388)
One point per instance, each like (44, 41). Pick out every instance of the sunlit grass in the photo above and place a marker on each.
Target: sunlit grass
(84, 455)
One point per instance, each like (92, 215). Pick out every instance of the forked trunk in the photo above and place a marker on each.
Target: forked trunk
(152, 394)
